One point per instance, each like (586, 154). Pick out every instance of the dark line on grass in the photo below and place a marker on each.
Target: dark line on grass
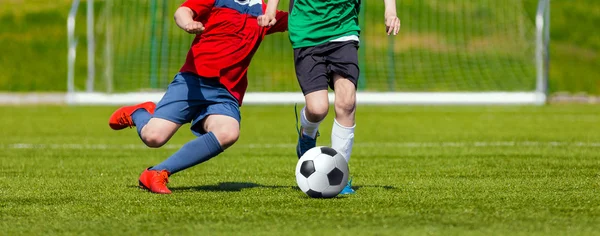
(228, 187)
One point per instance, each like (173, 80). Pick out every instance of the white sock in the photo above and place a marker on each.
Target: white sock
(309, 129)
(342, 139)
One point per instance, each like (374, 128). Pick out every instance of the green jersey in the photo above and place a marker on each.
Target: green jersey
(314, 22)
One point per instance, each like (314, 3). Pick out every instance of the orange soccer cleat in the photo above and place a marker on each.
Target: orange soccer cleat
(121, 118)
(155, 181)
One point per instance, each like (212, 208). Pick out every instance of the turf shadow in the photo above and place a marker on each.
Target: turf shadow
(227, 187)
(385, 187)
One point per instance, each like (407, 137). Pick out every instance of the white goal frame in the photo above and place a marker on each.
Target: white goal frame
(89, 97)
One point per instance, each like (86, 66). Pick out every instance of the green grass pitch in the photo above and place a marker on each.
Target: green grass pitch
(417, 170)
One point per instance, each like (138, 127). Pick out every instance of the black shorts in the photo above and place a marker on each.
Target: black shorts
(315, 66)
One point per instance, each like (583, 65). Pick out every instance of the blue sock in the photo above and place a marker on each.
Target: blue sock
(192, 153)
(140, 118)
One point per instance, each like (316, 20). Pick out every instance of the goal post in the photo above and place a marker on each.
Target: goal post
(448, 52)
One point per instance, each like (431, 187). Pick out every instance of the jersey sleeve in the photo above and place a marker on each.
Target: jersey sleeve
(282, 23)
(200, 7)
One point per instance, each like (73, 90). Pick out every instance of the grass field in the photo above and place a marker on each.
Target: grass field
(417, 170)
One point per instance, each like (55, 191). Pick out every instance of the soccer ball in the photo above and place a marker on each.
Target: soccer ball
(322, 172)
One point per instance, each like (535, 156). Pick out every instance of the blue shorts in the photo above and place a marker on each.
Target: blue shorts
(190, 98)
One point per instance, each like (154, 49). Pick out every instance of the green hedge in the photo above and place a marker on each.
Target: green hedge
(33, 45)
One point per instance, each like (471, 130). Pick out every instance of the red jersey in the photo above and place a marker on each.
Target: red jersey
(231, 37)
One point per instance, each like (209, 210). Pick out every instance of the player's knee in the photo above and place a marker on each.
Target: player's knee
(154, 139)
(316, 112)
(227, 136)
(345, 106)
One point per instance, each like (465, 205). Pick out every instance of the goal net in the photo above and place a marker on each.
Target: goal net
(447, 52)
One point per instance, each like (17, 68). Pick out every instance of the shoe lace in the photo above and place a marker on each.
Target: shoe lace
(296, 116)
(125, 120)
(164, 177)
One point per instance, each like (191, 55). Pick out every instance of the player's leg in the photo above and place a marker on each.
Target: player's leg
(174, 109)
(215, 133)
(156, 124)
(311, 72)
(343, 63)
(314, 111)
(157, 132)
(154, 132)
(342, 133)
(226, 129)
(215, 122)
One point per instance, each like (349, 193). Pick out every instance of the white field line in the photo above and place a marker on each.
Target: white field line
(74, 146)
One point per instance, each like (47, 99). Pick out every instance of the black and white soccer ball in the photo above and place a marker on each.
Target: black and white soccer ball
(322, 172)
